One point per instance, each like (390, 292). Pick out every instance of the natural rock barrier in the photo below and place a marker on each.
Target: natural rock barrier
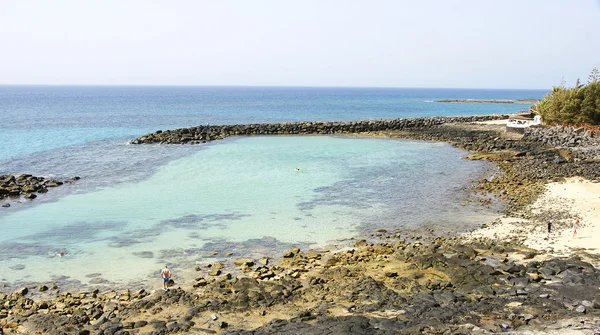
(201, 134)
(27, 185)
(563, 136)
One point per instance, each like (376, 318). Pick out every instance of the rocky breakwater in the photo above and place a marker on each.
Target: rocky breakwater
(27, 185)
(427, 285)
(203, 134)
(564, 136)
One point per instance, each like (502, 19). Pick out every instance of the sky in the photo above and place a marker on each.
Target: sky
(375, 43)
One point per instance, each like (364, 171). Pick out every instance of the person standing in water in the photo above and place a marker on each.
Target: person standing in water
(166, 276)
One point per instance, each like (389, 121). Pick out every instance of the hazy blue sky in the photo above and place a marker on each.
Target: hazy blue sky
(426, 43)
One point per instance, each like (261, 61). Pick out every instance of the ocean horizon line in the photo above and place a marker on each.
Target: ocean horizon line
(273, 87)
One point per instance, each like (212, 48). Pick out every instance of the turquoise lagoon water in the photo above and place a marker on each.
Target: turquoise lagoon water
(239, 190)
(139, 207)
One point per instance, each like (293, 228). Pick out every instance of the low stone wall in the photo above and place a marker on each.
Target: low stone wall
(562, 136)
(203, 134)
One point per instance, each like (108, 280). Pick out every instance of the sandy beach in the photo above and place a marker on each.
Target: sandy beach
(562, 203)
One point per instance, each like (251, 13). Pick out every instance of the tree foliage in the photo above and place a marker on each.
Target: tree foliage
(575, 105)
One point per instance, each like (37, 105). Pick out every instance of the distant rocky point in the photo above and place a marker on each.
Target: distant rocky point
(483, 101)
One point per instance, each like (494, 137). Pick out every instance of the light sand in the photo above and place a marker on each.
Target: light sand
(495, 122)
(562, 203)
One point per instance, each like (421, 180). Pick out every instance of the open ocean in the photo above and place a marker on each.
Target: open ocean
(138, 207)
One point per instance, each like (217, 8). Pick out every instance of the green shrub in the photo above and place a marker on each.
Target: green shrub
(575, 105)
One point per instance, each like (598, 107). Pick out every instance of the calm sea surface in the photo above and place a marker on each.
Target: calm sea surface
(138, 207)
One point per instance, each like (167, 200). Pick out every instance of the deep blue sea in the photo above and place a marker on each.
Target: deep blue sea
(138, 207)
(40, 118)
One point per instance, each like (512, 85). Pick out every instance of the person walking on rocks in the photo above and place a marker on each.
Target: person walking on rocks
(549, 228)
(166, 276)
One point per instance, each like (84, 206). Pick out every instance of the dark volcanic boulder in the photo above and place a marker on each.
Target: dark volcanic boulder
(44, 323)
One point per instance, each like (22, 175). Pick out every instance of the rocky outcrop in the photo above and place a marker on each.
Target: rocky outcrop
(560, 136)
(27, 185)
(203, 134)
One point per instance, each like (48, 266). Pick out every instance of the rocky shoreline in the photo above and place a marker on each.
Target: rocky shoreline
(427, 286)
(26, 185)
(390, 284)
(526, 162)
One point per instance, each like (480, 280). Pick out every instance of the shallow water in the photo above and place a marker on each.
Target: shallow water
(241, 195)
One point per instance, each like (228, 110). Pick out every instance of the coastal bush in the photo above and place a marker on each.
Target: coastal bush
(574, 105)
